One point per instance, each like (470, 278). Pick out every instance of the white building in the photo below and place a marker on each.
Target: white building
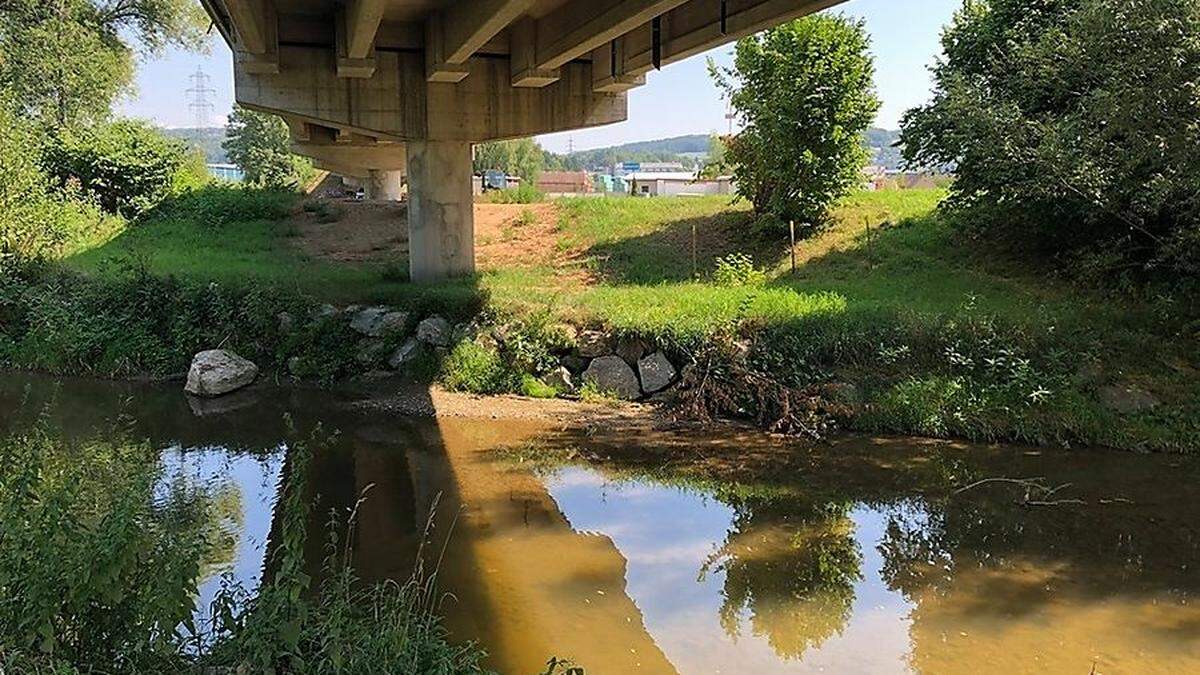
(656, 183)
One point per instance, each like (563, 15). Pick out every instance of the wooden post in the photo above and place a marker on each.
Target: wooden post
(695, 274)
(792, 231)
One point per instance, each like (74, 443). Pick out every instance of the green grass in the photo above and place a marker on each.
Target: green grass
(887, 295)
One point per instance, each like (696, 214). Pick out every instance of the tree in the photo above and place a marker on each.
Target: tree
(65, 61)
(259, 144)
(804, 93)
(1072, 128)
(523, 157)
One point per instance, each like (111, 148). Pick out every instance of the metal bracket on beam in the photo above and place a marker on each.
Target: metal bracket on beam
(656, 42)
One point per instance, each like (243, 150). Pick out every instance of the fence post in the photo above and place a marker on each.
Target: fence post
(792, 232)
(695, 274)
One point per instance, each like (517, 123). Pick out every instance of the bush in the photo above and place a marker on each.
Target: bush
(218, 204)
(477, 369)
(260, 145)
(524, 194)
(1072, 130)
(35, 220)
(126, 167)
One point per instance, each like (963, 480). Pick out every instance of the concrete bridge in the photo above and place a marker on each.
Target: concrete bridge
(380, 89)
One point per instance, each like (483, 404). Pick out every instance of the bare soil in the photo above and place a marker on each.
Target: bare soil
(506, 235)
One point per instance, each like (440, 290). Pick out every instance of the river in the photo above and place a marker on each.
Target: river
(859, 556)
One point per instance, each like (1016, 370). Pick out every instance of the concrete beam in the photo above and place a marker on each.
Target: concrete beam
(256, 25)
(362, 18)
(698, 27)
(608, 69)
(347, 64)
(437, 66)
(522, 57)
(465, 28)
(578, 27)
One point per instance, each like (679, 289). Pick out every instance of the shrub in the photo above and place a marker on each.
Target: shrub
(525, 194)
(1072, 130)
(737, 269)
(126, 167)
(260, 145)
(473, 367)
(35, 220)
(218, 204)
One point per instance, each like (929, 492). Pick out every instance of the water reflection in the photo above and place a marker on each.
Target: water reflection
(855, 558)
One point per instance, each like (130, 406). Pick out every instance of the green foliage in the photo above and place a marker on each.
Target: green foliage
(216, 206)
(1071, 126)
(100, 555)
(66, 61)
(478, 368)
(523, 194)
(535, 388)
(126, 167)
(805, 93)
(737, 269)
(522, 157)
(36, 221)
(259, 144)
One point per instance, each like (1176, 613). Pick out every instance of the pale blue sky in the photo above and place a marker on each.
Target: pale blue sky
(679, 100)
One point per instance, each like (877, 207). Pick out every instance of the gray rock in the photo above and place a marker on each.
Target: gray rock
(404, 354)
(207, 407)
(287, 322)
(293, 365)
(217, 371)
(612, 375)
(378, 321)
(324, 312)
(1126, 399)
(656, 372)
(465, 331)
(632, 349)
(370, 351)
(434, 331)
(560, 379)
(593, 343)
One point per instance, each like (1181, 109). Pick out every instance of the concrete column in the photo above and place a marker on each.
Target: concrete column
(441, 218)
(383, 185)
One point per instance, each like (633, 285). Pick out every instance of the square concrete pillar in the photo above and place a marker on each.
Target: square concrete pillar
(441, 217)
(384, 185)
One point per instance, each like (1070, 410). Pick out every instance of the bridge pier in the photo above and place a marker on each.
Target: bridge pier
(441, 210)
(383, 185)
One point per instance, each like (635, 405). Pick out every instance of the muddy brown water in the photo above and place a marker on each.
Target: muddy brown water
(855, 557)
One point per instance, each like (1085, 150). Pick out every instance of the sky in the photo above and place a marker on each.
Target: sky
(679, 100)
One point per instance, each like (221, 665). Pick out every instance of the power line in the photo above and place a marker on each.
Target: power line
(199, 93)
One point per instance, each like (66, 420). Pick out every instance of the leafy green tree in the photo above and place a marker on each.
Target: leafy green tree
(522, 157)
(1071, 125)
(259, 144)
(805, 93)
(65, 61)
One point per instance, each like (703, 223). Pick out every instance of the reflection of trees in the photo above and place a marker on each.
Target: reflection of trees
(792, 569)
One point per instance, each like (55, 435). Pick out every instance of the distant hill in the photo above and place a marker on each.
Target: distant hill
(684, 149)
(207, 140)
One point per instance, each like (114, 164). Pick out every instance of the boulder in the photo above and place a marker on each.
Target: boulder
(294, 364)
(560, 379)
(593, 343)
(612, 375)
(404, 354)
(324, 312)
(465, 331)
(1126, 399)
(632, 349)
(217, 371)
(369, 351)
(378, 322)
(434, 331)
(575, 364)
(656, 372)
(287, 322)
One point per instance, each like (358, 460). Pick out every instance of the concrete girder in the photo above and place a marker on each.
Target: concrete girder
(256, 25)
(453, 36)
(698, 27)
(608, 69)
(578, 27)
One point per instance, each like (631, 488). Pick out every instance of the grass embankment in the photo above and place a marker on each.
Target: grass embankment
(937, 335)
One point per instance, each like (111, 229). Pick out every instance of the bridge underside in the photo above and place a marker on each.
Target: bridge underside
(370, 88)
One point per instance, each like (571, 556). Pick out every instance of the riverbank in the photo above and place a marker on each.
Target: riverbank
(889, 324)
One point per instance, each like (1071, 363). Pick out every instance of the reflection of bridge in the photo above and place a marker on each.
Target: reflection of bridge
(380, 88)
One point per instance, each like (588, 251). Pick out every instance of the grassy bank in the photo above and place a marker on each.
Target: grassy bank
(917, 330)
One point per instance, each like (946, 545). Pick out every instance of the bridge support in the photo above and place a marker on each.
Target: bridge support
(383, 185)
(441, 218)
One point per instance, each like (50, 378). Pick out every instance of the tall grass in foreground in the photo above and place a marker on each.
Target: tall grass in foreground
(101, 553)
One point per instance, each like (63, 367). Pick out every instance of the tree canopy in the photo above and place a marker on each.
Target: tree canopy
(804, 92)
(260, 145)
(522, 157)
(65, 61)
(1073, 127)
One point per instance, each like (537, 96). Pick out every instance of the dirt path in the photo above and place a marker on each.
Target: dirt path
(506, 235)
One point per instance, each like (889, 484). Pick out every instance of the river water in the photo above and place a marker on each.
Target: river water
(861, 556)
